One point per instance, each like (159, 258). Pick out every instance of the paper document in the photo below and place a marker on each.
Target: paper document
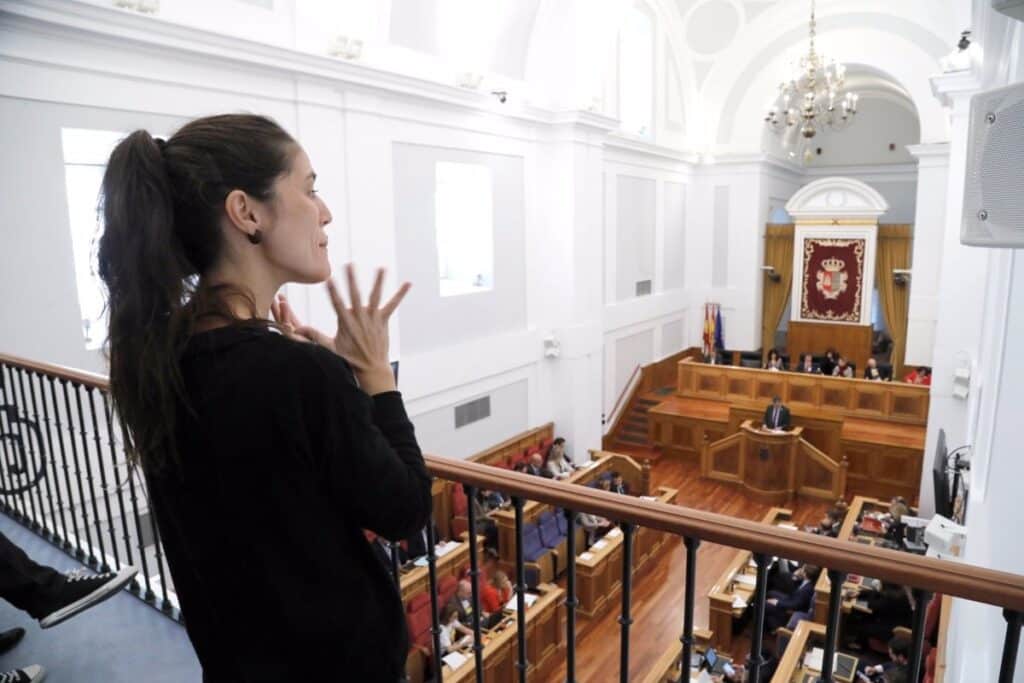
(816, 658)
(586, 557)
(421, 561)
(650, 498)
(528, 599)
(445, 548)
(738, 602)
(454, 659)
(791, 527)
(746, 579)
(614, 533)
(599, 545)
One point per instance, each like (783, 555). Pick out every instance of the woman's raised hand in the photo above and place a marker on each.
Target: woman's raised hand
(362, 337)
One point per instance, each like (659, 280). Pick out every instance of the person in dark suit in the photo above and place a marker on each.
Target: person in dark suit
(417, 543)
(807, 365)
(873, 372)
(779, 605)
(776, 416)
(382, 549)
(619, 485)
(535, 465)
(829, 364)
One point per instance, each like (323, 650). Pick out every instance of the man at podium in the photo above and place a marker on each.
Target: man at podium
(776, 416)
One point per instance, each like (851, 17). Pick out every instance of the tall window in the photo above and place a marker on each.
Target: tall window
(464, 219)
(85, 157)
(636, 72)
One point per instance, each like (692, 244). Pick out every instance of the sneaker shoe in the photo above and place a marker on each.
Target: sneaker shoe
(30, 674)
(81, 591)
(10, 638)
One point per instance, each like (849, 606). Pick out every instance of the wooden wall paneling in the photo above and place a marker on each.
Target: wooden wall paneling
(871, 399)
(853, 341)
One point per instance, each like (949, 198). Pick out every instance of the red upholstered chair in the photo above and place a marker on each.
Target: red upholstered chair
(445, 590)
(545, 445)
(460, 511)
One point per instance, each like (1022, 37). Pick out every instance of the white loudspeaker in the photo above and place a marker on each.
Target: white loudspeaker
(993, 214)
(1013, 8)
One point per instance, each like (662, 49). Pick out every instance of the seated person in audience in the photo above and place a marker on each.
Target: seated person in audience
(873, 372)
(842, 368)
(535, 466)
(485, 526)
(522, 467)
(776, 416)
(618, 484)
(495, 588)
(894, 527)
(774, 361)
(829, 364)
(557, 461)
(605, 484)
(779, 605)
(807, 365)
(453, 634)
(887, 608)
(382, 549)
(897, 666)
(921, 375)
(493, 500)
(594, 526)
(417, 543)
(829, 524)
(463, 603)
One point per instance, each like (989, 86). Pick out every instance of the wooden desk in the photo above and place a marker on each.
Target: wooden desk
(726, 589)
(807, 636)
(417, 579)
(666, 667)
(602, 462)
(859, 506)
(840, 396)
(599, 569)
(545, 629)
(773, 467)
(884, 458)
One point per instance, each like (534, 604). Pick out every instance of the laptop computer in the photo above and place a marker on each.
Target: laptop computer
(716, 665)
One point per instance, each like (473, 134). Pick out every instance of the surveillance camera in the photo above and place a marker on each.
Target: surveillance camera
(501, 95)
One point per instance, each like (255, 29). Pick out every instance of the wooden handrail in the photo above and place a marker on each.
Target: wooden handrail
(938, 576)
(610, 418)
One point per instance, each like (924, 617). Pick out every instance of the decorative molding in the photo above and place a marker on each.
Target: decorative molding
(932, 155)
(956, 85)
(836, 198)
(867, 173)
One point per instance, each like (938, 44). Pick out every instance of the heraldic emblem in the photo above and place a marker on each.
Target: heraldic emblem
(832, 278)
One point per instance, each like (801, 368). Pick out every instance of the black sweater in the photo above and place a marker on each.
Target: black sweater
(283, 465)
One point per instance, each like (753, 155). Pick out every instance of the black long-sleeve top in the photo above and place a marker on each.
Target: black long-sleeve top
(283, 464)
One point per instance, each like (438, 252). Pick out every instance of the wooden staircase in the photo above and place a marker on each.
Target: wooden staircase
(632, 430)
(657, 381)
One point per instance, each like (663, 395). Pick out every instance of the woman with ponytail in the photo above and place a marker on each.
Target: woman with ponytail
(268, 446)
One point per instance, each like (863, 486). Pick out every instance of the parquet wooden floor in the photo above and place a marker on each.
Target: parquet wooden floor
(658, 592)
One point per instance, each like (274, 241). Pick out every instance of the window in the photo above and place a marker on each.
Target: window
(464, 220)
(636, 72)
(85, 157)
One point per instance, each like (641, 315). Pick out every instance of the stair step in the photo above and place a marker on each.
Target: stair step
(647, 402)
(631, 440)
(640, 431)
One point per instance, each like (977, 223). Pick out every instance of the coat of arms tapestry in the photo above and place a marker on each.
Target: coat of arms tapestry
(833, 277)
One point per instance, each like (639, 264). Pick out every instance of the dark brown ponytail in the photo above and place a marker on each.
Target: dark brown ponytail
(162, 203)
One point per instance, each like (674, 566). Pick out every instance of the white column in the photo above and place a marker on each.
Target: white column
(929, 228)
(566, 278)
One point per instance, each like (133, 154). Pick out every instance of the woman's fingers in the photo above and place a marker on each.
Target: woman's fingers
(353, 287)
(395, 300)
(344, 314)
(378, 285)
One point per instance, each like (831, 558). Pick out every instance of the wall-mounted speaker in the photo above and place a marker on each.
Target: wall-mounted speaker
(993, 213)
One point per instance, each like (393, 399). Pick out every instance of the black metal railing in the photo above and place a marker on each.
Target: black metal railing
(65, 476)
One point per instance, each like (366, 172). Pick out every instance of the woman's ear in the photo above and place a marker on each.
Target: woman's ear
(245, 213)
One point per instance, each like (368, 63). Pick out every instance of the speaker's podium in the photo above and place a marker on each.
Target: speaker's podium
(773, 466)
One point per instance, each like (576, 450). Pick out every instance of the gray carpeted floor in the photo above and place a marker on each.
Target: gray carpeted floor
(121, 640)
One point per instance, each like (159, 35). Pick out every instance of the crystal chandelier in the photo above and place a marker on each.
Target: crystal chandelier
(813, 98)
